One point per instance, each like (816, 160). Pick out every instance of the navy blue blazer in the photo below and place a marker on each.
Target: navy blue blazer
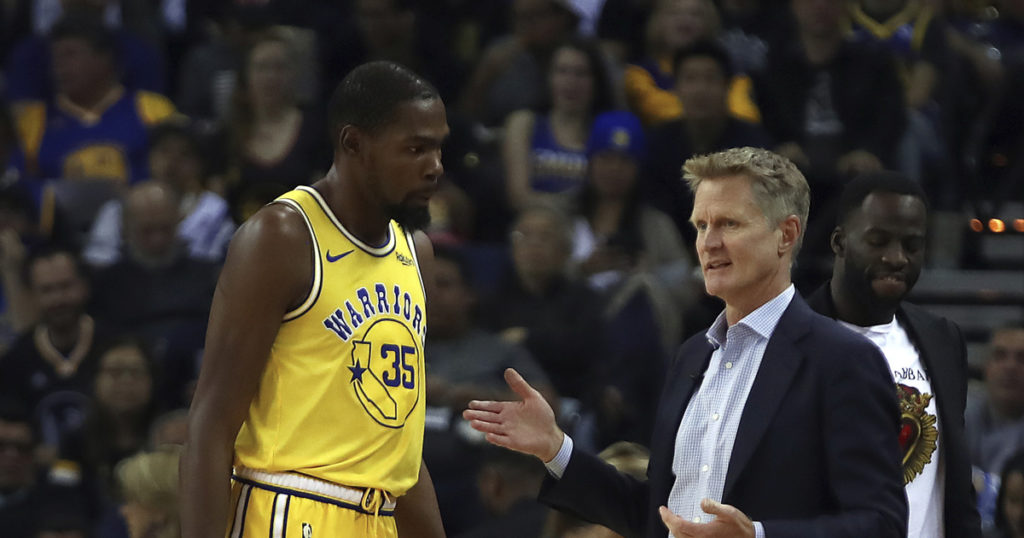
(944, 356)
(816, 453)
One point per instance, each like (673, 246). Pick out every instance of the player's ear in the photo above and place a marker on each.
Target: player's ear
(838, 241)
(350, 139)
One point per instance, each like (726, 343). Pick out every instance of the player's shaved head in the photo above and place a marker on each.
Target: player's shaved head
(369, 96)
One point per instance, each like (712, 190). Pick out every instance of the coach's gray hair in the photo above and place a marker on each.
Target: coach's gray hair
(779, 188)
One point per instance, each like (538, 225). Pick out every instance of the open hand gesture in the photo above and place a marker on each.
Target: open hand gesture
(526, 426)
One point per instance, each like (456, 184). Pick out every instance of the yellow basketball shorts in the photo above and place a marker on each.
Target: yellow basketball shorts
(265, 505)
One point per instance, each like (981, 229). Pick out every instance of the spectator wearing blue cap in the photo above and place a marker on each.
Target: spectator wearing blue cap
(703, 72)
(617, 238)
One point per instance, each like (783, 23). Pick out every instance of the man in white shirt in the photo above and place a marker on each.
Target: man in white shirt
(879, 247)
(775, 422)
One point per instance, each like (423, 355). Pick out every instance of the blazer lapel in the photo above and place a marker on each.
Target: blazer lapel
(929, 339)
(778, 366)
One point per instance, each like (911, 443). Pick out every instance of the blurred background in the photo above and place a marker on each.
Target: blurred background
(136, 135)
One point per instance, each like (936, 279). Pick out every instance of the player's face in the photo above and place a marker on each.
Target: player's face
(737, 248)
(404, 161)
(123, 382)
(881, 247)
(60, 291)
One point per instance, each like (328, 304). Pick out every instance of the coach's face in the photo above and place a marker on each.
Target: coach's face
(744, 259)
(880, 247)
(404, 160)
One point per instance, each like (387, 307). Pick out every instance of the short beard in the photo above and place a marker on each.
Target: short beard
(864, 294)
(410, 218)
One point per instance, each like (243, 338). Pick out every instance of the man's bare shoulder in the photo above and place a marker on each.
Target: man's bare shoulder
(276, 228)
(425, 256)
(424, 247)
(275, 240)
(273, 223)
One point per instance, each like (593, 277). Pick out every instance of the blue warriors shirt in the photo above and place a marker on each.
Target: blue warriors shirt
(555, 168)
(342, 395)
(60, 140)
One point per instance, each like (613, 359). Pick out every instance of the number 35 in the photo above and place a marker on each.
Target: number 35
(402, 372)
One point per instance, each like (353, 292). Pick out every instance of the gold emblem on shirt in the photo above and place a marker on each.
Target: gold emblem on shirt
(918, 434)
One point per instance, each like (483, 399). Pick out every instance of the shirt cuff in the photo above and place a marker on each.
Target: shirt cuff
(758, 530)
(556, 467)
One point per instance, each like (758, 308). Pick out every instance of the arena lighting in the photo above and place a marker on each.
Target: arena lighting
(996, 225)
(977, 226)
(1018, 224)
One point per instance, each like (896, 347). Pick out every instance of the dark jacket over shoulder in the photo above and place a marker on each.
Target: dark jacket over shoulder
(816, 453)
(944, 356)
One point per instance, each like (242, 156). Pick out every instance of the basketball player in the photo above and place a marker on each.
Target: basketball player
(308, 416)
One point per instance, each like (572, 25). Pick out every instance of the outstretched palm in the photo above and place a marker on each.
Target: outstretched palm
(526, 426)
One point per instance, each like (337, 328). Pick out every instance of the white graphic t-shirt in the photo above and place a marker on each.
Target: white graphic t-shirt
(923, 475)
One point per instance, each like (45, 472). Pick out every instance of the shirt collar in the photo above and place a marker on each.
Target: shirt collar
(762, 321)
(93, 115)
(884, 328)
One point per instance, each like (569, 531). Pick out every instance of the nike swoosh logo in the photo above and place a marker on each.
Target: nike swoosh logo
(332, 259)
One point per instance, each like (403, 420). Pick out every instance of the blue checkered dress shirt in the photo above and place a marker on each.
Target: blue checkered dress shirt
(708, 428)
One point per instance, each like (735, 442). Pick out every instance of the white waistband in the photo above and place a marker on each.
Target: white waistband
(311, 485)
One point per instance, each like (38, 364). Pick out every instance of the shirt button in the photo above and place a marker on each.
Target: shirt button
(696, 519)
(728, 365)
(704, 468)
(714, 417)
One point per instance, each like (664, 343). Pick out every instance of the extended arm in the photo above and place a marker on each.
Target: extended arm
(589, 487)
(595, 491)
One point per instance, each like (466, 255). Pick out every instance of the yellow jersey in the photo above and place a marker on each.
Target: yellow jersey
(342, 396)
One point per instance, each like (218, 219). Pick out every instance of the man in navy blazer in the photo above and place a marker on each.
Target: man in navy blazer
(775, 422)
(879, 246)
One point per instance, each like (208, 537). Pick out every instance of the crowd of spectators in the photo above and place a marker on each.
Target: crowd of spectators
(135, 136)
